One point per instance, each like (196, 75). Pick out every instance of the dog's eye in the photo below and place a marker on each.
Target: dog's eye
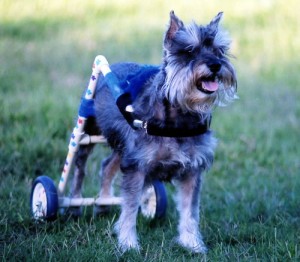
(193, 50)
(186, 52)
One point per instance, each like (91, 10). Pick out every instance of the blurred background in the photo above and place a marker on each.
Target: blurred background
(46, 52)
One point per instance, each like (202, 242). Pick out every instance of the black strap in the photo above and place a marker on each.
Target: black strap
(122, 102)
(165, 128)
(168, 130)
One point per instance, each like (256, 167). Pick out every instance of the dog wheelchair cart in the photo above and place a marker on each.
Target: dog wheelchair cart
(46, 199)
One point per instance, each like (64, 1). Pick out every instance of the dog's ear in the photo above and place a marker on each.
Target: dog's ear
(175, 25)
(214, 24)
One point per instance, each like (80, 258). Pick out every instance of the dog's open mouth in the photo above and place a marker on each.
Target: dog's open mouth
(207, 85)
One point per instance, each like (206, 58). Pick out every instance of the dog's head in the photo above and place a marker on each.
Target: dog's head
(199, 74)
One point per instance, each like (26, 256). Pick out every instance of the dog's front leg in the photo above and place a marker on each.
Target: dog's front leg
(132, 187)
(188, 208)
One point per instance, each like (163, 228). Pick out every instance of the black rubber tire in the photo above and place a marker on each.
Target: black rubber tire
(45, 194)
(154, 201)
(161, 199)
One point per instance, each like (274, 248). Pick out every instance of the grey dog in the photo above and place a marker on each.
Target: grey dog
(195, 76)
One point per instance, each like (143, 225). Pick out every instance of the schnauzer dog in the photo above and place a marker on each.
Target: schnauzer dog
(195, 76)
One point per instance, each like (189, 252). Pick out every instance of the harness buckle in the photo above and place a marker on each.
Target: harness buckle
(140, 124)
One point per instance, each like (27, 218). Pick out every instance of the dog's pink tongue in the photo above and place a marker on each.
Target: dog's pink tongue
(210, 86)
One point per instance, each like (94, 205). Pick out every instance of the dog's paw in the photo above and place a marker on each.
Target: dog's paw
(128, 242)
(127, 238)
(71, 212)
(99, 211)
(192, 242)
(128, 245)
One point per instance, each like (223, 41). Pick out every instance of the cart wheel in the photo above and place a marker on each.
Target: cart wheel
(43, 199)
(154, 200)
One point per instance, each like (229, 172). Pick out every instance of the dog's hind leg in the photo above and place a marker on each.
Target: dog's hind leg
(79, 174)
(188, 208)
(109, 168)
(80, 163)
(132, 187)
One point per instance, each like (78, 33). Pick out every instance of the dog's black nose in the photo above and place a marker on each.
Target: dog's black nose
(214, 67)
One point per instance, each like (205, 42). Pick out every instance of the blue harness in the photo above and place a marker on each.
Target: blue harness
(131, 86)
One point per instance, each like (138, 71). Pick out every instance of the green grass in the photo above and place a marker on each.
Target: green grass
(250, 198)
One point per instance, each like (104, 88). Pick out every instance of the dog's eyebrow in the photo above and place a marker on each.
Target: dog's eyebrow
(189, 38)
(193, 34)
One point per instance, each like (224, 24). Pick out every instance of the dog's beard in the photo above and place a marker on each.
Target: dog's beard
(181, 89)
